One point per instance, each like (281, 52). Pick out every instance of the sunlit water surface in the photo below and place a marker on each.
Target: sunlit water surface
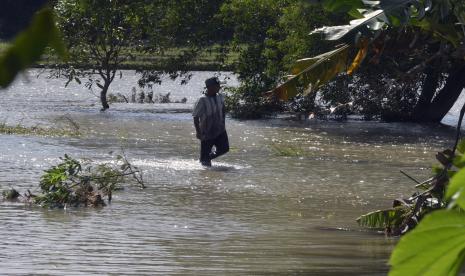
(255, 212)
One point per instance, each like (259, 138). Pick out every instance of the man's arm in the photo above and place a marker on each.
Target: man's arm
(224, 109)
(224, 114)
(197, 127)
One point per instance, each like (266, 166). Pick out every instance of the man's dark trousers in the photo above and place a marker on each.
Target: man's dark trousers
(221, 144)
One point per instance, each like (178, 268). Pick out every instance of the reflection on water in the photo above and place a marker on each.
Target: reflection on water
(256, 211)
(185, 165)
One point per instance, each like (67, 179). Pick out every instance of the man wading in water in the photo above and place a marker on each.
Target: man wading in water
(209, 117)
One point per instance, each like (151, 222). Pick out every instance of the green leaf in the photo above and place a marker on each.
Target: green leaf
(455, 189)
(435, 247)
(459, 161)
(321, 69)
(382, 218)
(355, 13)
(29, 45)
(461, 146)
(373, 20)
(342, 5)
(436, 169)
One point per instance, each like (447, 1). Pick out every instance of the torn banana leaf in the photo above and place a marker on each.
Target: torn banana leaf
(311, 73)
(382, 218)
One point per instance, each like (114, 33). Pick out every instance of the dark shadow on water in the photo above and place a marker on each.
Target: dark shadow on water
(221, 168)
(343, 229)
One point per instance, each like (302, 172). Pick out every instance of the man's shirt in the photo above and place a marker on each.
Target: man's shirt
(210, 112)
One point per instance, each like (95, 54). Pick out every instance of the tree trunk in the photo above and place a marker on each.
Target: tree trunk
(103, 96)
(445, 98)
(428, 90)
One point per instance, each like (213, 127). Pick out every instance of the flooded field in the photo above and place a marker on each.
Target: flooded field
(258, 211)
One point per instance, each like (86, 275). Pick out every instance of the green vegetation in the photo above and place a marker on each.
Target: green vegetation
(431, 220)
(154, 37)
(105, 30)
(29, 45)
(415, 53)
(11, 194)
(398, 60)
(209, 59)
(287, 150)
(206, 60)
(37, 131)
(272, 35)
(80, 184)
(406, 213)
(4, 46)
(437, 246)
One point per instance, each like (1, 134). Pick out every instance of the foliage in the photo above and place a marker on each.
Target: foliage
(37, 130)
(96, 32)
(415, 51)
(309, 74)
(406, 213)
(111, 35)
(29, 46)
(287, 150)
(435, 247)
(80, 184)
(433, 221)
(269, 36)
(384, 219)
(11, 194)
(245, 102)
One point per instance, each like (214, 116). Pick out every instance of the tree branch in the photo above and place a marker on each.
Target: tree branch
(459, 128)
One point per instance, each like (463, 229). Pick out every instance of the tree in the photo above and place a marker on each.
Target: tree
(268, 36)
(188, 27)
(415, 55)
(101, 35)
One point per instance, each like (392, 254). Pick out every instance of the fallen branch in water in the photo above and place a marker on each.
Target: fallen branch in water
(406, 213)
(79, 184)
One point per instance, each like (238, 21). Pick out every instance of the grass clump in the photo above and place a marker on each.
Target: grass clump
(37, 131)
(287, 150)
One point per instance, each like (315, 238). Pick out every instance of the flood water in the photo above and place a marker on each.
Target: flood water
(255, 212)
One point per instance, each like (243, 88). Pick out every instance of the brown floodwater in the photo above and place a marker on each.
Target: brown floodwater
(283, 201)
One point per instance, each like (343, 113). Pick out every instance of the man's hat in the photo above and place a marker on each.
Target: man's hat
(212, 81)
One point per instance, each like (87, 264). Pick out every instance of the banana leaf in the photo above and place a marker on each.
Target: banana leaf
(373, 20)
(359, 57)
(376, 17)
(302, 64)
(383, 218)
(320, 70)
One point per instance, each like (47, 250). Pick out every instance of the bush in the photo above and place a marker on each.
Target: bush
(247, 102)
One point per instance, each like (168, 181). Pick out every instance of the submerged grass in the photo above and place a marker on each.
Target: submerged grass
(288, 150)
(37, 131)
